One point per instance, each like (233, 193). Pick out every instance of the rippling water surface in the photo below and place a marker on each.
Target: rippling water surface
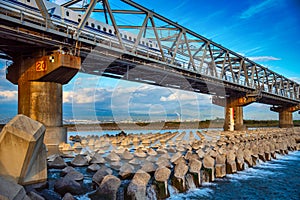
(276, 179)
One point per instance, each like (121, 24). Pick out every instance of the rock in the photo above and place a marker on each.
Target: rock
(66, 170)
(97, 159)
(75, 175)
(65, 185)
(208, 162)
(93, 168)
(52, 157)
(231, 156)
(163, 162)
(148, 167)
(10, 190)
(126, 170)
(34, 196)
(200, 153)
(162, 174)
(140, 153)
(137, 186)
(79, 161)
(135, 162)
(248, 157)
(220, 170)
(220, 159)
(180, 160)
(188, 155)
(151, 158)
(180, 170)
(68, 196)
(115, 165)
(126, 155)
(22, 151)
(231, 167)
(113, 157)
(151, 152)
(195, 166)
(175, 157)
(107, 189)
(57, 163)
(100, 174)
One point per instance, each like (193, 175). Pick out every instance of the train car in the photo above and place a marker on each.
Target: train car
(65, 16)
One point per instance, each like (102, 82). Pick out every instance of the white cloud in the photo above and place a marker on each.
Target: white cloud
(263, 58)
(179, 95)
(8, 95)
(84, 95)
(255, 9)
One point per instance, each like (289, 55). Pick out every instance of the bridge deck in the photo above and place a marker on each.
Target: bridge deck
(195, 64)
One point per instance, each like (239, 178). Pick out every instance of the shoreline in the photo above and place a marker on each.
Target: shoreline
(207, 124)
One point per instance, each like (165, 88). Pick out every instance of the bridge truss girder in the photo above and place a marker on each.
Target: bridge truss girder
(178, 48)
(199, 54)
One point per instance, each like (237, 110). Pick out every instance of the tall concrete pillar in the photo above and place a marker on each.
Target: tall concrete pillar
(233, 109)
(285, 115)
(233, 118)
(40, 80)
(42, 101)
(285, 119)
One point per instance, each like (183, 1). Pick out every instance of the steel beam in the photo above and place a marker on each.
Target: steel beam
(45, 14)
(85, 17)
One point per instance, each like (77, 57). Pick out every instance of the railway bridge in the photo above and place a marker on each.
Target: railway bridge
(48, 49)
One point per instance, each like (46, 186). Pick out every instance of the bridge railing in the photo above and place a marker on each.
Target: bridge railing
(179, 48)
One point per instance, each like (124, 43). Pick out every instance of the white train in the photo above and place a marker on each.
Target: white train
(61, 15)
(70, 17)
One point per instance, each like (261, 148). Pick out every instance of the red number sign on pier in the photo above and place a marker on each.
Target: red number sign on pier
(40, 66)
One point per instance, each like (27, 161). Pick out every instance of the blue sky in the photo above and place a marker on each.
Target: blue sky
(264, 31)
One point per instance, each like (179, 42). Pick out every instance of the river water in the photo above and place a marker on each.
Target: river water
(276, 179)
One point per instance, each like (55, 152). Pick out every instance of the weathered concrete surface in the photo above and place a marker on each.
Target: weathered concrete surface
(22, 151)
(40, 78)
(10, 190)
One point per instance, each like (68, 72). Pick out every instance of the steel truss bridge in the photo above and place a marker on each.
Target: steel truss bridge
(184, 60)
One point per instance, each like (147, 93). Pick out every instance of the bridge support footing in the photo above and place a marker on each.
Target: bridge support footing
(40, 77)
(42, 101)
(285, 119)
(285, 115)
(233, 118)
(233, 110)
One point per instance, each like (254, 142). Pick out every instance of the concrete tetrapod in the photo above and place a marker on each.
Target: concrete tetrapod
(22, 151)
(162, 174)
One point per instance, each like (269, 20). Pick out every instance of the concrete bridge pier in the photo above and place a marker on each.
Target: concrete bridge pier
(40, 77)
(285, 115)
(233, 109)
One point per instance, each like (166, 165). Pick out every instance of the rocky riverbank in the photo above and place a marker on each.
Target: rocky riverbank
(147, 166)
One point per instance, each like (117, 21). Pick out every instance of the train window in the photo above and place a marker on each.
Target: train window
(134, 39)
(79, 20)
(99, 27)
(130, 38)
(110, 31)
(115, 33)
(150, 45)
(67, 13)
(147, 44)
(87, 23)
(156, 45)
(104, 29)
(93, 25)
(143, 42)
(121, 34)
(125, 36)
